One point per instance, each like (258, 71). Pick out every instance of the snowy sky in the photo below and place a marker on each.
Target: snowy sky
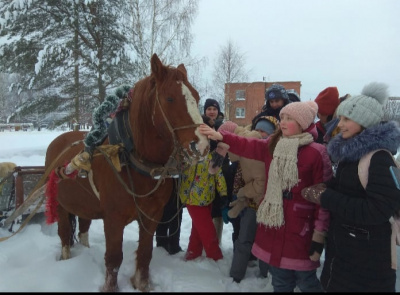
(320, 43)
(29, 261)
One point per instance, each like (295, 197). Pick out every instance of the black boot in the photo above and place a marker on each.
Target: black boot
(172, 250)
(163, 243)
(173, 242)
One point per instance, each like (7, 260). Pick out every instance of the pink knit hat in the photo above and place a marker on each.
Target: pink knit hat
(303, 112)
(228, 126)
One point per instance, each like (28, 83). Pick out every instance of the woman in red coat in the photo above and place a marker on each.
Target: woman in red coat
(290, 232)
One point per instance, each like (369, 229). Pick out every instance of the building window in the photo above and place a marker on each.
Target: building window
(240, 113)
(240, 95)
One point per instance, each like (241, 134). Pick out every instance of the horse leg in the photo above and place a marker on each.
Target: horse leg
(144, 252)
(113, 229)
(64, 232)
(83, 235)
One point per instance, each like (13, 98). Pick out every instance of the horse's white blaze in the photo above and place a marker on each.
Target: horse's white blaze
(193, 111)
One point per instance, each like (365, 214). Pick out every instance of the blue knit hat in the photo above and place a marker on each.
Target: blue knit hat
(366, 109)
(266, 126)
(276, 91)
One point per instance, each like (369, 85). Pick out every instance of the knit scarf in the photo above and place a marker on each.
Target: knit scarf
(282, 175)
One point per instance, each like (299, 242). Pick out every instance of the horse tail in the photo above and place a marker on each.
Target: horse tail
(51, 194)
(72, 222)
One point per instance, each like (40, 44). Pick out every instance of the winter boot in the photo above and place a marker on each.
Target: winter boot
(173, 243)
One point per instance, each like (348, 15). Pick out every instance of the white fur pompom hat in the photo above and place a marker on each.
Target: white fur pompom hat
(366, 109)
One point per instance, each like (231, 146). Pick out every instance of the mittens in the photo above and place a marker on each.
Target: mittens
(317, 245)
(218, 157)
(313, 193)
(224, 213)
(224, 209)
(228, 126)
(237, 206)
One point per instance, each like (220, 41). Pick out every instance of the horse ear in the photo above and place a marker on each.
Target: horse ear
(157, 67)
(182, 68)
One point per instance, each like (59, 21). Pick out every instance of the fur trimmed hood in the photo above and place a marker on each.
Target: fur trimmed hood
(381, 136)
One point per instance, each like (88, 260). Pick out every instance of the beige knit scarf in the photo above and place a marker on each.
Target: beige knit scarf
(283, 175)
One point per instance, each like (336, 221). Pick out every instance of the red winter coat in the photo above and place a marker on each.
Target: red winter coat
(288, 246)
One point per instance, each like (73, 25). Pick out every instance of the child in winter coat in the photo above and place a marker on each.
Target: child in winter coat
(290, 232)
(248, 196)
(358, 252)
(276, 97)
(197, 192)
(327, 101)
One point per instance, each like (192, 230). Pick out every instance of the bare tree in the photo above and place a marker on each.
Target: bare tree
(229, 67)
(162, 27)
(392, 109)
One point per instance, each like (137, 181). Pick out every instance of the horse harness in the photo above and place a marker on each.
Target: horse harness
(120, 133)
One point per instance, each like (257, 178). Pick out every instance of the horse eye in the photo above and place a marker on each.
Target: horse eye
(170, 99)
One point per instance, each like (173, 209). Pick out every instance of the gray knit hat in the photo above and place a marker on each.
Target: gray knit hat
(366, 109)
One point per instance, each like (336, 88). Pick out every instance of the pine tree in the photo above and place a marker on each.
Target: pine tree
(71, 53)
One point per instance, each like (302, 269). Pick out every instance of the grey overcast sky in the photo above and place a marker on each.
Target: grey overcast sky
(321, 43)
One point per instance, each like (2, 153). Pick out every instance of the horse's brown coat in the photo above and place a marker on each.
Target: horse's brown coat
(117, 208)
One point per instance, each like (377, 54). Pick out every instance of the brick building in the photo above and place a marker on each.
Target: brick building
(244, 100)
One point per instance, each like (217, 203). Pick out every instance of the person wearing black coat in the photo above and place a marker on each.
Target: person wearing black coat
(219, 204)
(358, 255)
(168, 231)
(276, 97)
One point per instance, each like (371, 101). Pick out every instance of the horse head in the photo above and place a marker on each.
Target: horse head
(174, 113)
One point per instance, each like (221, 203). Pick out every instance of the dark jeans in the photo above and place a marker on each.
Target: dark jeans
(285, 280)
(243, 244)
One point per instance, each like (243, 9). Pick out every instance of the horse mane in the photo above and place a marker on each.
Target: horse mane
(142, 99)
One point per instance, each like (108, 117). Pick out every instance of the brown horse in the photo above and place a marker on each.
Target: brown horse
(163, 118)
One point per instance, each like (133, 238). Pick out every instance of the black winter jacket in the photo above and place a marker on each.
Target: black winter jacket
(358, 251)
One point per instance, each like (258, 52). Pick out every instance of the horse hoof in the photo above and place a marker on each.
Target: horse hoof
(110, 284)
(139, 285)
(65, 253)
